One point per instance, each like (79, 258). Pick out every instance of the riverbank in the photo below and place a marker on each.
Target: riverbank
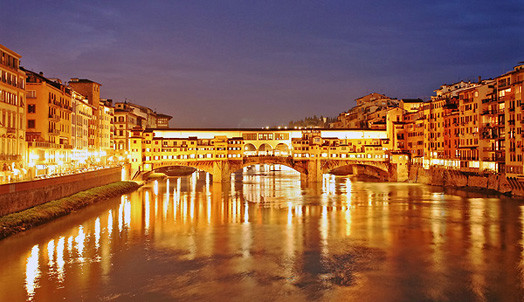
(17, 222)
(488, 183)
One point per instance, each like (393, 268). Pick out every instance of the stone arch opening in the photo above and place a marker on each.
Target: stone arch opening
(177, 170)
(265, 150)
(360, 170)
(282, 150)
(250, 149)
(269, 167)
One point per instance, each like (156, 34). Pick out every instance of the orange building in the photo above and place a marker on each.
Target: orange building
(509, 91)
(48, 124)
(91, 90)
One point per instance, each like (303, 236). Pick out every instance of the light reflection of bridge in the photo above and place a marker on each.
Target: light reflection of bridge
(311, 152)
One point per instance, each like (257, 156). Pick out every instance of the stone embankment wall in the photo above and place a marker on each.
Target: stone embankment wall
(20, 196)
(456, 179)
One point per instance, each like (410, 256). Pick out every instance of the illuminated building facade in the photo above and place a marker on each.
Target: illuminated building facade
(222, 151)
(106, 127)
(81, 119)
(91, 90)
(128, 117)
(12, 120)
(162, 120)
(48, 124)
(509, 88)
(125, 121)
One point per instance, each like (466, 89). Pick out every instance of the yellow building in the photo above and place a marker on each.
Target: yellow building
(81, 118)
(12, 121)
(125, 120)
(91, 90)
(48, 124)
(106, 128)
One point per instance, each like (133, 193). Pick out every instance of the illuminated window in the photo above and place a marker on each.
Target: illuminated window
(265, 136)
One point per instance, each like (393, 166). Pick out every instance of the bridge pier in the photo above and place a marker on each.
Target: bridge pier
(221, 171)
(399, 169)
(313, 171)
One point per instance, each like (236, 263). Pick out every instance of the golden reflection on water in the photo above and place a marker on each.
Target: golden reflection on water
(60, 263)
(259, 212)
(32, 272)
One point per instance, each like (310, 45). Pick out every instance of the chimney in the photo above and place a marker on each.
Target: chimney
(480, 79)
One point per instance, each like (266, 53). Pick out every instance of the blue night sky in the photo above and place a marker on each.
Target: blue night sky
(258, 63)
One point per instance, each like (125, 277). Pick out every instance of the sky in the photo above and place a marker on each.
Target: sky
(263, 63)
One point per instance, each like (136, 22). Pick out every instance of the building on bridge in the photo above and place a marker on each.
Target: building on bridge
(223, 151)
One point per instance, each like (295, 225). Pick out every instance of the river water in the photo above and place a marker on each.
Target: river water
(264, 237)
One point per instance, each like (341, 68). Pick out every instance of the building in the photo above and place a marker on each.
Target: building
(91, 90)
(12, 123)
(163, 120)
(81, 118)
(48, 130)
(128, 117)
(106, 127)
(124, 122)
(510, 137)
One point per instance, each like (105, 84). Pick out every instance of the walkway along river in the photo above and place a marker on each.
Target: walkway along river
(265, 237)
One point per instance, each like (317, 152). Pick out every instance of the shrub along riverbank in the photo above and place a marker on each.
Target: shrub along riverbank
(21, 221)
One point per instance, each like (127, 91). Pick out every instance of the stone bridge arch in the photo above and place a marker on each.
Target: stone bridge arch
(376, 169)
(282, 149)
(265, 149)
(270, 160)
(250, 149)
(206, 166)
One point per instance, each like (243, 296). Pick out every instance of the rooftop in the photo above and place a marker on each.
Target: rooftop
(77, 80)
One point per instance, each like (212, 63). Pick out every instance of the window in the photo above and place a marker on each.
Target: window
(249, 136)
(30, 123)
(31, 94)
(31, 108)
(265, 136)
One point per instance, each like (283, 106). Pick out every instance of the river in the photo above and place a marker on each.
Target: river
(266, 237)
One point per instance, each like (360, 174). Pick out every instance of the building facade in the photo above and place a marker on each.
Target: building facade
(48, 130)
(13, 155)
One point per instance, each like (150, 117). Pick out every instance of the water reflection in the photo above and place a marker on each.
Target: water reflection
(267, 234)
(32, 272)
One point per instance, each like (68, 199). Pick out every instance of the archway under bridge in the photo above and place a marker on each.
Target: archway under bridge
(381, 171)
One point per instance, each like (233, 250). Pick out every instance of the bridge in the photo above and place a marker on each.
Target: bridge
(312, 152)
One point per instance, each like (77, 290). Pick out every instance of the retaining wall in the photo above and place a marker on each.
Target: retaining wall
(19, 196)
(457, 179)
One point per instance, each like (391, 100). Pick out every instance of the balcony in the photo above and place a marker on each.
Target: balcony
(36, 144)
(54, 117)
(9, 157)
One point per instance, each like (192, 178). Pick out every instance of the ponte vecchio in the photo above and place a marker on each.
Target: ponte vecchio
(312, 152)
